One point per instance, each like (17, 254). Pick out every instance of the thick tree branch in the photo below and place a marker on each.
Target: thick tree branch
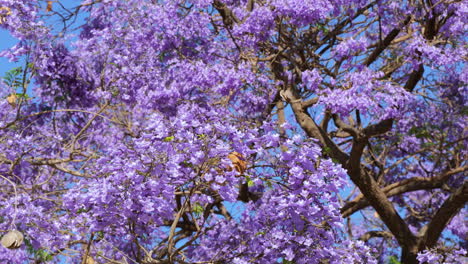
(408, 185)
(379, 201)
(345, 127)
(442, 217)
(308, 103)
(226, 13)
(414, 78)
(385, 43)
(250, 5)
(379, 128)
(311, 128)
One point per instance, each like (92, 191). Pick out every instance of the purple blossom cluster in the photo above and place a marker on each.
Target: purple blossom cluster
(234, 132)
(363, 91)
(432, 256)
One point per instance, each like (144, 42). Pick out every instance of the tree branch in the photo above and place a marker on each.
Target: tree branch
(408, 185)
(311, 128)
(372, 234)
(226, 13)
(377, 198)
(345, 127)
(442, 217)
(379, 128)
(385, 43)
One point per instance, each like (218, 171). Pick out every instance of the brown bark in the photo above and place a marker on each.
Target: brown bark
(408, 185)
(442, 217)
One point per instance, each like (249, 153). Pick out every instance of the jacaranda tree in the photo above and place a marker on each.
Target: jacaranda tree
(235, 131)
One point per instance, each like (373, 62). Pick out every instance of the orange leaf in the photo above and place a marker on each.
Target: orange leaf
(238, 161)
(49, 6)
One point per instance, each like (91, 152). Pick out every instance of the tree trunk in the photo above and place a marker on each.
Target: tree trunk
(408, 255)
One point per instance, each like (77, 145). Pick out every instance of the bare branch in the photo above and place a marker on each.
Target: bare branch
(372, 234)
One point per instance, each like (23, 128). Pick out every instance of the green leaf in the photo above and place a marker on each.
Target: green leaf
(327, 150)
(186, 164)
(29, 246)
(197, 209)
(43, 256)
(168, 139)
(419, 132)
(429, 144)
(115, 93)
(82, 210)
(393, 260)
(39, 254)
(13, 77)
(260, 233)
(99, 235)
(464, 110)
(250, 183)
(24, 96)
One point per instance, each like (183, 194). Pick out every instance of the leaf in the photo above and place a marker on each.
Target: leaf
(49, 6)
(12, 99)
(40, 254)
(238, 161)
(99, 235)
(260, 233)
(327, 150)
(24, 96)
(43, 256)
(89, 260)
(4, 12)
(12, 240)
(197, 209)
(13, 77)
(419, 132)
(186, 164)
(201, 136)
(82, 210)
(250, 183)
(393, 260)
(168, 139)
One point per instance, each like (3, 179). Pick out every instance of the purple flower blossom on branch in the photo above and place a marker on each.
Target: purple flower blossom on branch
(237, 131)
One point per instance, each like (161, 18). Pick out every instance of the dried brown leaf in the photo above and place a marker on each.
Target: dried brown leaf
(12, 240)
(49, 6)
(4, 12)
(89, 260)
(239, 162)
(12, 99)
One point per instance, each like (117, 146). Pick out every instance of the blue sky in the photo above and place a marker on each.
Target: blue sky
(6, 41)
